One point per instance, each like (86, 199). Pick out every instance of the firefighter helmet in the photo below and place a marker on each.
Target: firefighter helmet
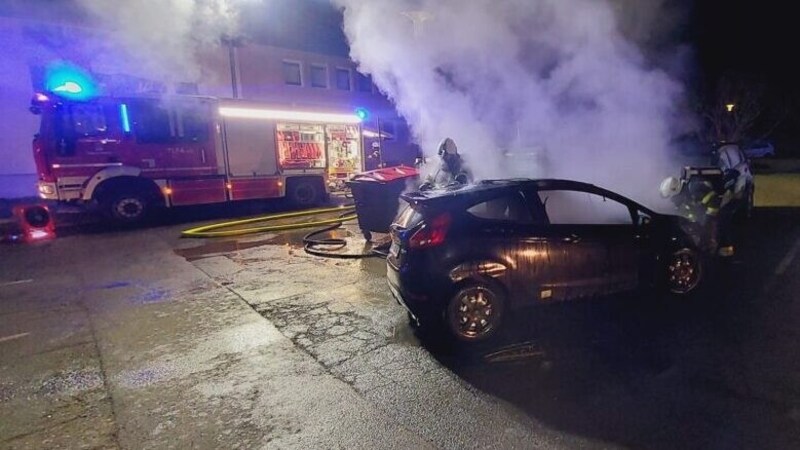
(670, 187)
(447, 147)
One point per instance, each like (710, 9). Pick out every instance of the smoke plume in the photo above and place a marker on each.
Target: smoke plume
(159, 39)
(534, 88)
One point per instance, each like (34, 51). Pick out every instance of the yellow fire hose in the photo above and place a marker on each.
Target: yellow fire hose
(215, 229)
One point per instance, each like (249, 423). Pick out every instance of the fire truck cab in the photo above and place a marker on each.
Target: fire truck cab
(129, 156)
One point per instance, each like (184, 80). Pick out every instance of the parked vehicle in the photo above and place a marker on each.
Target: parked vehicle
(468, 256)
(129, 155)
(759, 149)
(725, 165)
(737, 180)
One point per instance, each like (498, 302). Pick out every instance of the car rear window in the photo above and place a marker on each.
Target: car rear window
(408, 217)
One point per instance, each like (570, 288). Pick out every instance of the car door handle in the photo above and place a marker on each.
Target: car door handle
(572, 239)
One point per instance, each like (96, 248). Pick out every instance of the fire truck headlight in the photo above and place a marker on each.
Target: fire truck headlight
(47, 189)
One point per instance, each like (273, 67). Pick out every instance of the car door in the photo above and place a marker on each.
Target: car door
(508, 234)
(591, 243)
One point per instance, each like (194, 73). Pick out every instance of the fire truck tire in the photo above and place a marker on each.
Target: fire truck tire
(127, 201)
(305, 192)
(126, 207)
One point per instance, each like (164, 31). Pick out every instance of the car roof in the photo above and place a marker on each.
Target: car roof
(488, 187)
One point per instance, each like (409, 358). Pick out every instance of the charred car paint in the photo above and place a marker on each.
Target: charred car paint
(470, 254)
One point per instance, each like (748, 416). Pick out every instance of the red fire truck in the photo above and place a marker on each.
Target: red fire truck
(131, 155)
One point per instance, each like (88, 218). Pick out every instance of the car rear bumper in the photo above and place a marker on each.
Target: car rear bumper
(422, 307)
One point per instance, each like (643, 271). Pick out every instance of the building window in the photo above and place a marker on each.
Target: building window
(292, 73)
(319, 76)
(343, 79)
(364, 82)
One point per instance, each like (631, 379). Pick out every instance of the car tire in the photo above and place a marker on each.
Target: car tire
(684, 271)
(475, 312)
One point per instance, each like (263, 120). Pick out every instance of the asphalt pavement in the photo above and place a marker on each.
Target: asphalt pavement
(140, 339)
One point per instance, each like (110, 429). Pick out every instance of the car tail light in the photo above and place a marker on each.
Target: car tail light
(433, 233)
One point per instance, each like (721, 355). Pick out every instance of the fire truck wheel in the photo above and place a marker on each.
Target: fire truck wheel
(304, 192)
(127, 208)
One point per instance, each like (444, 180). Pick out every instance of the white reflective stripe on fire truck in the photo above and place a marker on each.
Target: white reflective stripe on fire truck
(71, 182)
(108, 173)
(66, 166)
(172, 169)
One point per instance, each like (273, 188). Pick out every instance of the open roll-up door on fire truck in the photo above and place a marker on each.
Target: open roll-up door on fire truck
(251, 147)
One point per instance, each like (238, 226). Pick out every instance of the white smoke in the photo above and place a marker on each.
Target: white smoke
(556, 83)
(160, 39)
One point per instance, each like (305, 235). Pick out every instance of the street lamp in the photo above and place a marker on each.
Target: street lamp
(730, 107)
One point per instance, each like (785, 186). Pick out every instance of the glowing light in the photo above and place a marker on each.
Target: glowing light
(372, 134)
(730, 107)
(69, 87)
(39, 234)
(302, 116)
(280, 183)
(362, 113)
(69, 81)
(229, 186)
(41, 97)
(123, 116)
(167, 191)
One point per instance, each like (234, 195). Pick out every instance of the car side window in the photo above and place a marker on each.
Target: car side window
(569, 207)
(733, 157)
(724, 162)
(508, 208)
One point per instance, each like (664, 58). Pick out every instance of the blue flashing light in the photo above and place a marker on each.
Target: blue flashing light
(69, 87)
(70, 82)
(123, 115)
(362, 113)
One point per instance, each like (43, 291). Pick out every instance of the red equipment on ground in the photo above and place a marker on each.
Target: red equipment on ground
(31, 223)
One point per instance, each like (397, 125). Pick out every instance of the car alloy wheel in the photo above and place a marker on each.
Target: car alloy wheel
(474, 313)
(684, 271)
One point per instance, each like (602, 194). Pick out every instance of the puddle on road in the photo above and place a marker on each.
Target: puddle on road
(214, 247)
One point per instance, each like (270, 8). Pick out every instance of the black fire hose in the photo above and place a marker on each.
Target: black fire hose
(310, 242)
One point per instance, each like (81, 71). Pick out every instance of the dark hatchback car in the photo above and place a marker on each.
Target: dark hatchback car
(470, 255)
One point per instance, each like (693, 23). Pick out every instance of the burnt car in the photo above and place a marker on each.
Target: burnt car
(469, 255)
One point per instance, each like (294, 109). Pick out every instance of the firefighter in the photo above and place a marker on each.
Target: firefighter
(452, 169)
(698, 201)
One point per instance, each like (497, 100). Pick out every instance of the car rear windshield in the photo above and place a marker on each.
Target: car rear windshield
(408, 217)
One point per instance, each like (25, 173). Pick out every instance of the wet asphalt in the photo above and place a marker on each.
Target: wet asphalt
(140, 339)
